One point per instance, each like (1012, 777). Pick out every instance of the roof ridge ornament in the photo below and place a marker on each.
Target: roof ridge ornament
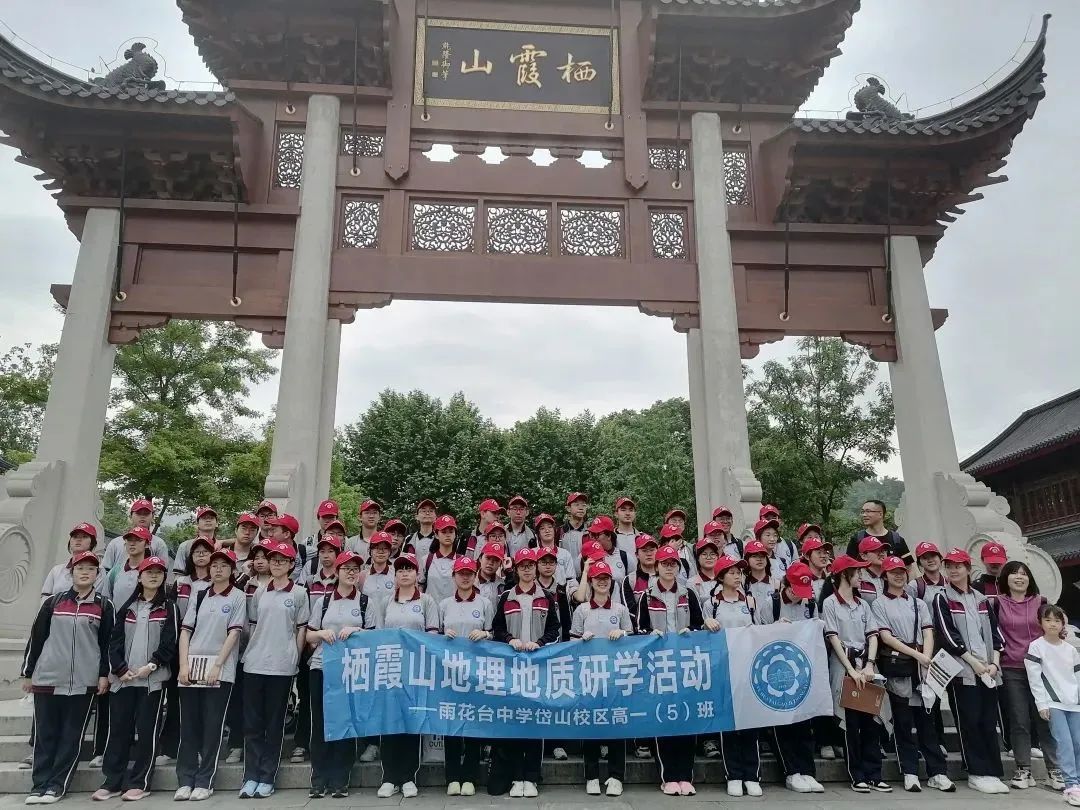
(137, 73)
(872, 105)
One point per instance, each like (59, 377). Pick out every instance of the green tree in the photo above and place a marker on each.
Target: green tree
(24, 390)
(820, 421)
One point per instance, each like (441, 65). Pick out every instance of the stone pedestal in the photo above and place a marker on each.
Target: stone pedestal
(723, 405)
(295, 468)
(44, 498)
(940, 502)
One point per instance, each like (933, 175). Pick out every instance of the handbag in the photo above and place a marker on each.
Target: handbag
(866, 699)
(895, 664)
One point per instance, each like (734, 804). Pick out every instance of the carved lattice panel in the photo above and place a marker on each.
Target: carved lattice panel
(289, 158)
(591, 231)
(668, 234)
(360, 223)
(365, 144)
(518, 229)
(668, 158)
(737, 176)
(446, 227)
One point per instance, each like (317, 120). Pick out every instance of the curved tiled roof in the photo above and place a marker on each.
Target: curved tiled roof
(1061, 544)
(1036, 429)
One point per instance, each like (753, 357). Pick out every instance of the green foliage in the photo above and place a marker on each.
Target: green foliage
(24, 390)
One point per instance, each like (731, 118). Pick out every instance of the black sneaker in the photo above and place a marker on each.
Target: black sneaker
(340, 793)
(316, 793)
(881, 787)
(860, 787)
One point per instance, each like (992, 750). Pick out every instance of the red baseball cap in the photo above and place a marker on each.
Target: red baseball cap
(328, 508)
(994, 554)
(141, 505)
(489, 505)
(546, 551)
(754, 547)
(712, 526)
(140, 533)
(464, 564)
(844, 562)
(287, 521)
(576, 496)
(83, 556)
(518, 499)
(524, 555)
(871, 544)
(330, 540)
(672, 512)
(666, 553)
(205, 510)
(497, 550)
(394, 523)
(282, 549)
(267, 504)
(201, 541)
(763, 524)
(726, 562)
(247, 517)
(892, 564)
(426, 502)
(813, 544)
(668, 531)
(926, 547)
(85, 528)
(705, 542)
(541, 518)
(347, 556)
(370, 504)
(228, 554)
(601, 524)
(153, 562)
(591, 549)
(768, 509)
(495, 527)
(445, 522)
(381, 538)
(958, 555)
(643, 540)
(625, 501)
(722, 510)
(406, 560)
(800, 533)
(800, 579)
(599, 569)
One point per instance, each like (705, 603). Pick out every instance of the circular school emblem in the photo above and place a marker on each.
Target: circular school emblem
(288, 603)
(476, 614)
(388, 584)
(780, 675)
(745, 609)
(416, 609)
(356, 611)
(614, 620)
(226, 609)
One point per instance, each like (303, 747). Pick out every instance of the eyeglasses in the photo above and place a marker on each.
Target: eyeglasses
(871, 512)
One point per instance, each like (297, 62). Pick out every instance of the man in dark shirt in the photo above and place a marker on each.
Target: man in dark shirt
(873, 520)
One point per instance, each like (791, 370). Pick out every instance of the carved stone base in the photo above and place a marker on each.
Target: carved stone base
(12, 651)
(741, 493)
(284, 486)
(972, 515)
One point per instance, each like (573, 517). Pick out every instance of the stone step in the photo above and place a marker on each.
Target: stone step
(569, 772)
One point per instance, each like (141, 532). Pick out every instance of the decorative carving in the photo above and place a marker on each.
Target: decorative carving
(289, 158)
(751, 341)
(669, 158)
(684, 314)
(737, 176)
(871, 104)
(668, 234)
(125, 328)
(365, 144)
(443, 226)
(360, 223)
(591, 231)
(15, 556)
(343, 305)
(271, 329)
(135, 74)
(517, 229)
(880, 345)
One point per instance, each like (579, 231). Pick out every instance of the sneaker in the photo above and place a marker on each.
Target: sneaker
(234, 756)
(248, 790)
(468, 789)
(1054, 780)
(752, 788)
(371, 753)
(386, 790)
(828, 752)
(1022, 779)
(881, 787)
(1036, 753)
(941, 782)
(340, 793)
(32, 798)
(798, 783)
(298, 755)
(712, 749)
(50, 797)
(911, 783)
(183, 793)
(409, 791)
(96, 762)
(982, 784)
(134, 795)
(613, 787)
(734, 787)
(201, 794)
(529, 790)
(642, 752)
(815, 785)
(1072, 796)
(685, 789)
(162, 760)
(264, 791)
(592, 787)
(27, 762)
(453, 789)
(999, 786)
(517, 790)
(860, 787)
(104, 794)
(672, 788)
(316, 793)
(559, 753)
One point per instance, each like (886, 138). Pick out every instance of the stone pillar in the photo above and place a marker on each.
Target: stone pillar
(940, 502)
(44, 498)
(331, 361)
(294, 460)
(732, 480)
(698, 429)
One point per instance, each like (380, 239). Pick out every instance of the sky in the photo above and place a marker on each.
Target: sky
(1006, 270)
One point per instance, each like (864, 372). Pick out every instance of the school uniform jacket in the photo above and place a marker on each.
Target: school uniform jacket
(68, 648)
(537, 607)
(654, 605)
(144, 633)
(562, 605)
(964, 622)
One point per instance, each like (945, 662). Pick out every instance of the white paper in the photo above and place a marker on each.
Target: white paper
(943, 668)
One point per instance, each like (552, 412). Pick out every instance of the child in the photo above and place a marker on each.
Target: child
(573, 528)
(123, 579)
(66, 664)
(379, 576)
(437, 568)
(142, 515)
(82, 538)
(326, 513)
(397, 531)
(719, 529)
(759, 573)
(547, 536)
(672, 535)
(1052, 667)
(873, 552)
(370, 514)
(931, 582)
(993, 557)
(622, 563)
(518, 533)
(142, 652)
(625, 533)
(489, 578)
(425, 527)
(206, 526)
(638, 582)
(489, 511)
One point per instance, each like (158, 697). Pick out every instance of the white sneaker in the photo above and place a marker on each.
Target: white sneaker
(559, 753)
(982, 784)
(182, 794)
(734, 787)
(409, 791)
(798, 783)
(33, 798)
(49, 798)
(201, 794)
(999, 786)
(592, 787)
(1054, 780)
(96, 761)
(941, 782)
(752, 788)
(1037, 753)
(529, 790)
(235, 755)
(911, 783)
(1022, 779)
(815, 785)
(614, 787)
(517, 790)
(828, 752)
(386, 790)
(371, 753)
(453, 789)
(468, 789)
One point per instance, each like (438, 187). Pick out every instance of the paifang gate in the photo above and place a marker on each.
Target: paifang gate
(301, 194)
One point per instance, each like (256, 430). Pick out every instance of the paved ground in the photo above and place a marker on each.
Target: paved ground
(636, 797)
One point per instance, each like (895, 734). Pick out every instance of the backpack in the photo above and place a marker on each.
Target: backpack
(363, 607)
(776, 606)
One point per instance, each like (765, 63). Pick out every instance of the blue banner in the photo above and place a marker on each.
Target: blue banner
(406, 682)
